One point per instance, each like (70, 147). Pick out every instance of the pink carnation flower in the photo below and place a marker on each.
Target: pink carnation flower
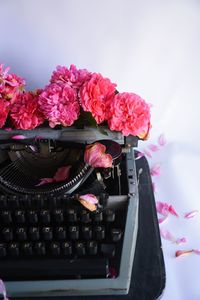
(4, 108)
(73, 77)
(25, 113)
(96, 96)
(130, 114)
(59, 104)
(10, 84)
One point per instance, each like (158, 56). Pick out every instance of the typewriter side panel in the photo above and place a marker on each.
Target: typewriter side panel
(117, 286)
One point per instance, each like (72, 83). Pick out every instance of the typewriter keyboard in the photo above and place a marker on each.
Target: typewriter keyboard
(57, 238)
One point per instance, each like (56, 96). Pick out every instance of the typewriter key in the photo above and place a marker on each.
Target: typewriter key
(3, 250)
(67, 248)
(7, 234)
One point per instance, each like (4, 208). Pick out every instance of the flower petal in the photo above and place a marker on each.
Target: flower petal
(162, 140)
(62, 174)
(172, 211)
(183, 252)
(45, 181)
(155, 170)
(153, 147)
(167, 235)
(89, 201)
(196, 251)
(162, 219)
(96, 157)
(162, 208)
(18, 137)
(181, 240)
(191, 214)
(89, 198)
(147, 153)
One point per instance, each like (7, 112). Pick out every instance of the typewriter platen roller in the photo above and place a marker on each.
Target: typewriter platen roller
(61, 248)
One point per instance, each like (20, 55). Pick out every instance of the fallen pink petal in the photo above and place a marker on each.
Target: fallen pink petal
(167, 235)
(18, 137)
(62, 174)
(112, 272)
(162, 219)
(172, 211)
(196, 251)
(45, 181)
(90, 198)
(183, 252)
(191, 214)
(89, 201)
(153, 147)
(147, 153)
(96, 157)
(162, 208)
(155, 170)
(181, 241)
(162, 140)
(186, 252)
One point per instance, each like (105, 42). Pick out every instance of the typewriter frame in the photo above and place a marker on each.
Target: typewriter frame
(81, 287)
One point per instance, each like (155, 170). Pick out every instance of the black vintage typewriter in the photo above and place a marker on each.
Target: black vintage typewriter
(49, 243)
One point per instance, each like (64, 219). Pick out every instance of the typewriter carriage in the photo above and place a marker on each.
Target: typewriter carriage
(24, 162)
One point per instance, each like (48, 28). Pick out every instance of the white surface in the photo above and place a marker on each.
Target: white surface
(147, 47)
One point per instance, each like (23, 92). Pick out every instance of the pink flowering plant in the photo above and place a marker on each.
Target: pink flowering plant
(73, 97)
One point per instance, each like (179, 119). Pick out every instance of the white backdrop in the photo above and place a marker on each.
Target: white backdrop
(147, 47)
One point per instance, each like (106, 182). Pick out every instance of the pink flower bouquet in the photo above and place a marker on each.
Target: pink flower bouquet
(73, 97)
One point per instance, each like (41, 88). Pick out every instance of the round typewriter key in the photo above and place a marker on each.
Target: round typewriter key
(98, 216)
(71, 215)
(40, 248)
(13, 249)
(32, 216)
(55, 249)
(60, 233)
(58, 215)
(74, 232)
(45, 216)
(7, 234)
(6, 216)
(3, 201)
(116, 234)
(80, 248)
(92, 247)
(67, 248)
(99, 232)
(47, 233)
(13, 201)
(27, 249)
(87, 232)
(2, 250)
(20, 216)
(34, 233)
(21, 233)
